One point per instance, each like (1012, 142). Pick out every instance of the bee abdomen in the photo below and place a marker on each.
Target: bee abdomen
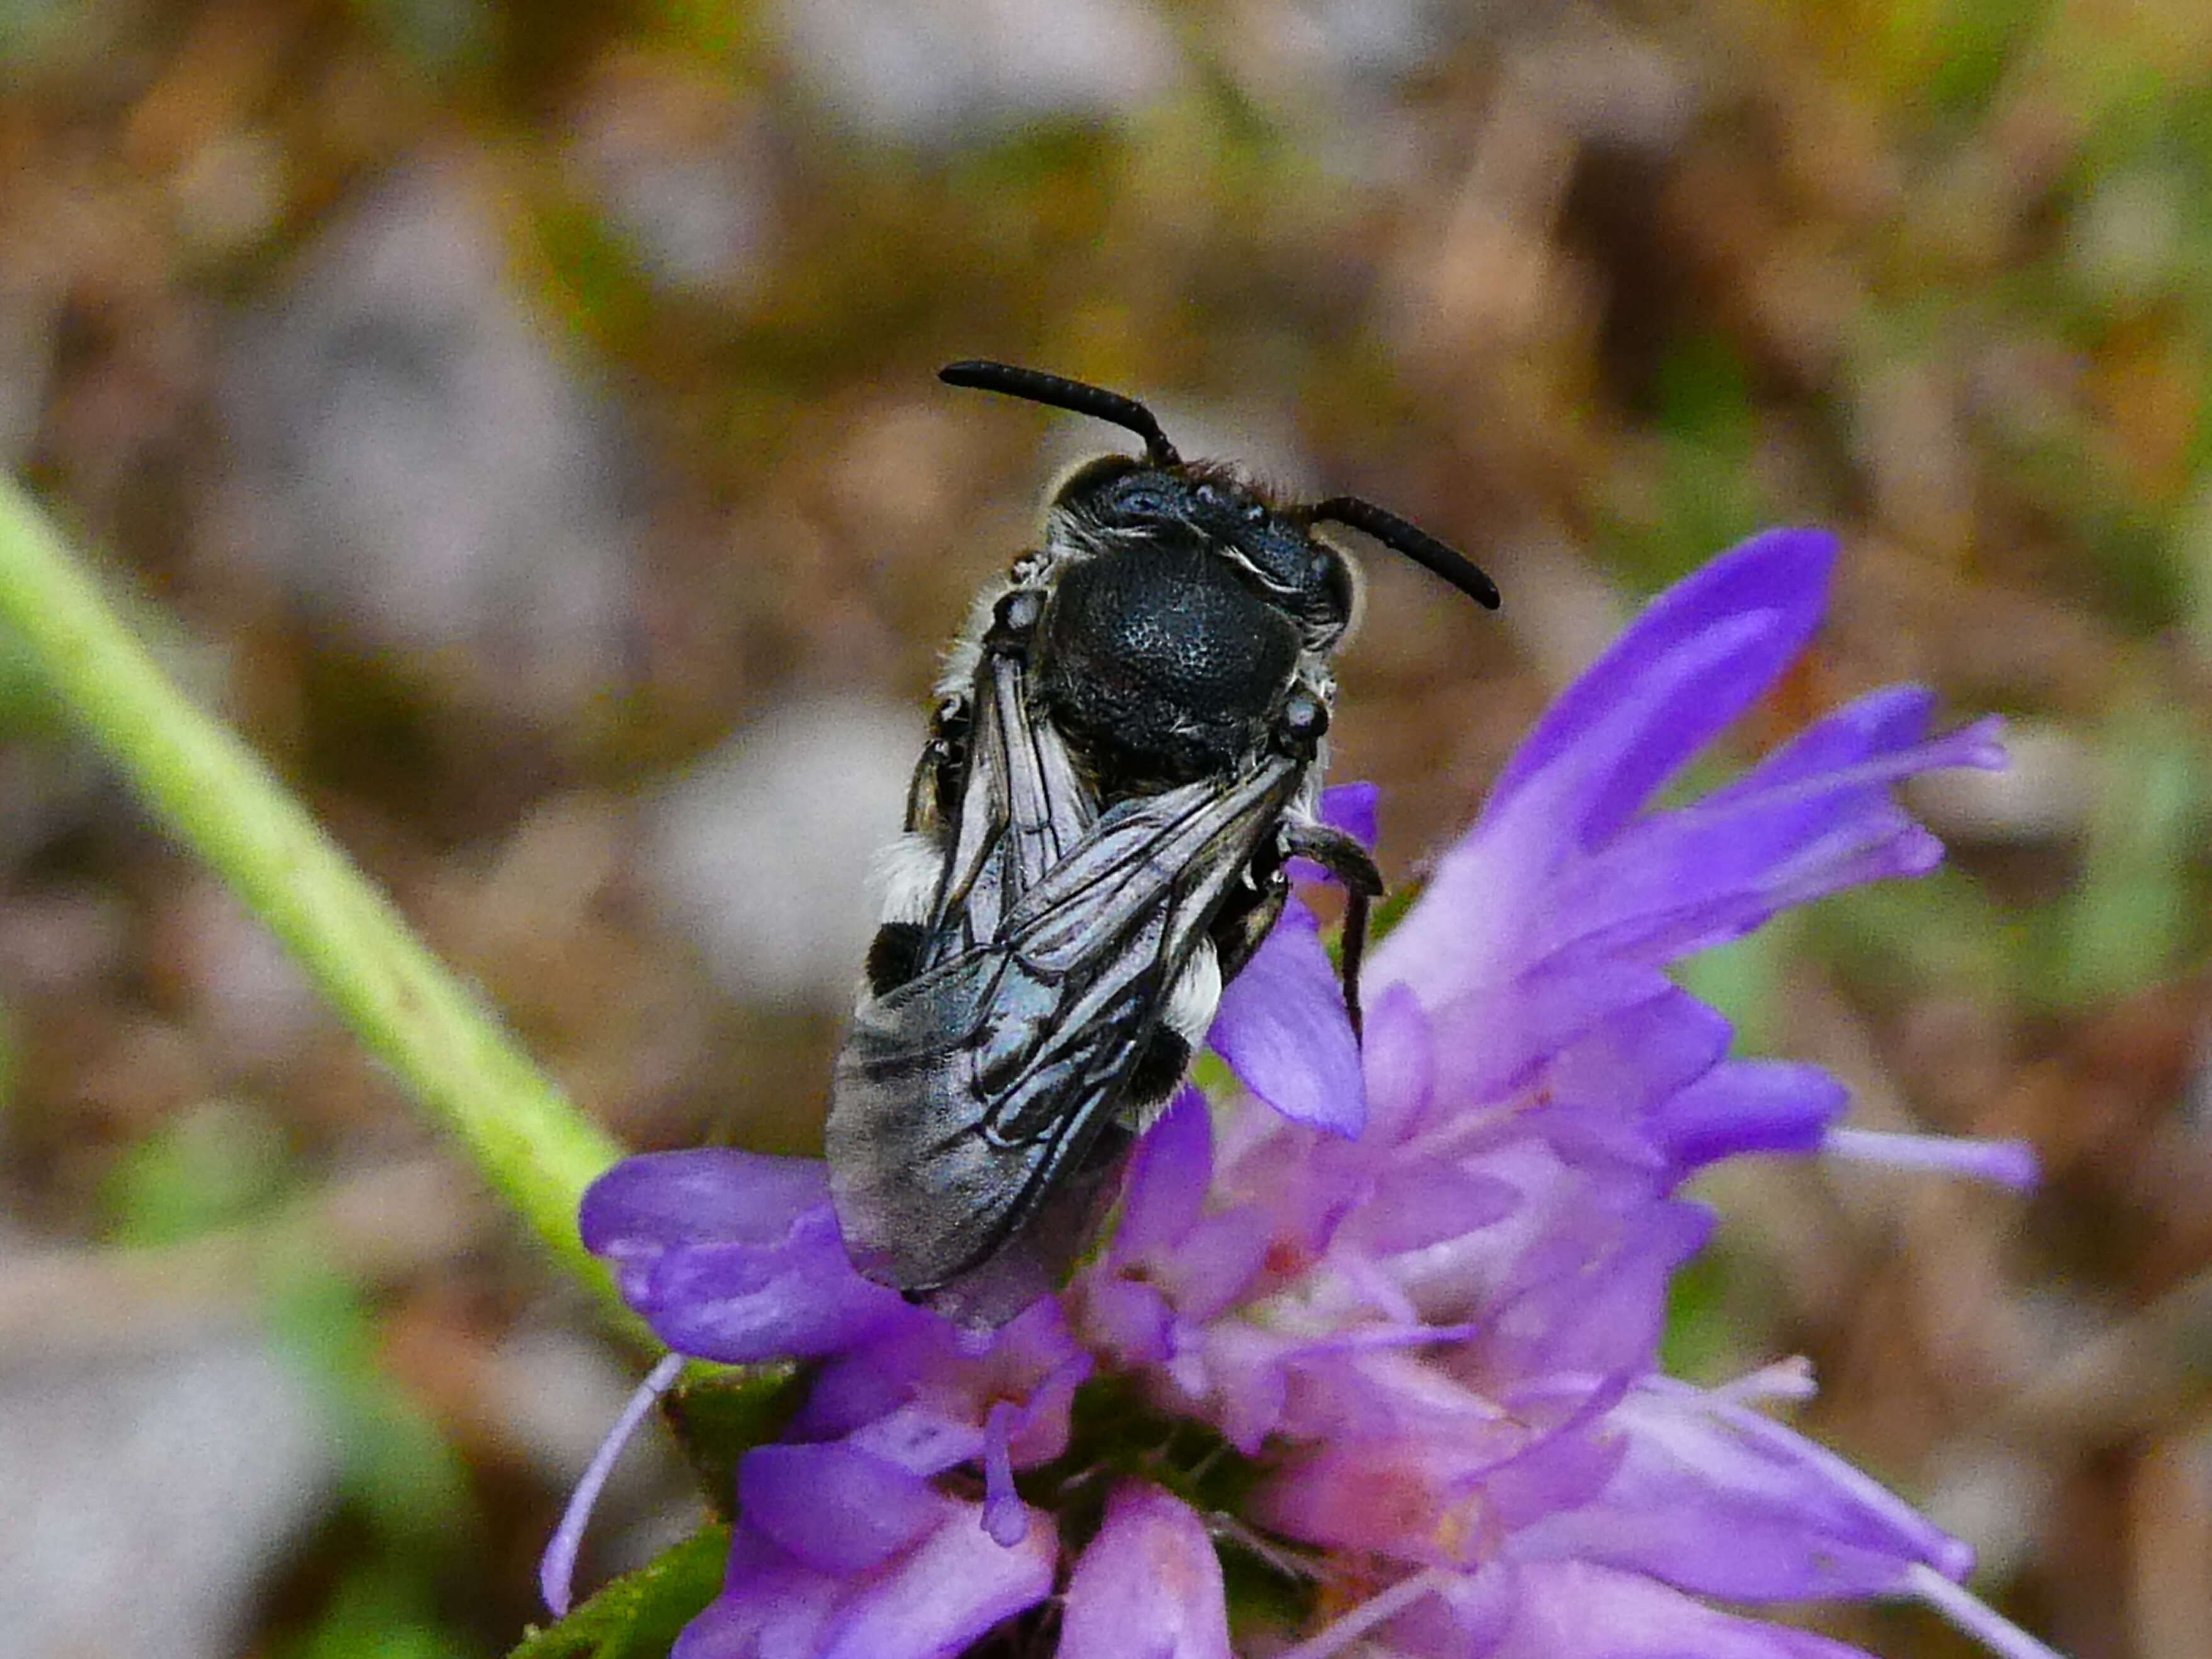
(1158, 1069)
(895, 955)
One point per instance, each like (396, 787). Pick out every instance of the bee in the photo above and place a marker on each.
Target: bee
(1126, 750)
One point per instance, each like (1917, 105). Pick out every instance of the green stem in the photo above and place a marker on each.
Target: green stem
(528, 1140)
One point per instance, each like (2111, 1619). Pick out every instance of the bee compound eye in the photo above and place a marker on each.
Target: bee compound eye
(1137, 502)
(1305, 717)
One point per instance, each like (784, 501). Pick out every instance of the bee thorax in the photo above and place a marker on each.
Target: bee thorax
(1162, 665)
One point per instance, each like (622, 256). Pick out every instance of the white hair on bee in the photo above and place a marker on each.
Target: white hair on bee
(903, 877)
(1196, 996)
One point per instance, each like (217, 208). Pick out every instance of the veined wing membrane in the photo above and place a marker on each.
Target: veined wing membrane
(967, 1096)
(1021, 808)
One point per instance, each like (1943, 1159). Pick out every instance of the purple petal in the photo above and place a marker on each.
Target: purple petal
(1687, 668)
(1891, 720)
(858, 1388)
(1398, 1064)
(731, 1255)
(1573, 1610)
(1595, 1306)
(711, 1195)
(1564, 1468)
(1718, 1500)
(946, 1593)
(1215, 1263)
(1594, 1137)
(1895, 717)
(1391, 1498)
(834, 1508)
(1415, 1205)
(1129, 1323)
(1681, 880)
(1747, 1106)
(1149, 1585)
(1240, 1377)
(1351, 808)
(1425, 1498)
(919, 1393)
(1350, 1395)
(1168, 1178)
(1489, 1044)
(1432, 1612)
(770, 1604)
(1284, 1031)
(739, 1304)
(922, 1438)
(1644, 1054)
(1780, 578)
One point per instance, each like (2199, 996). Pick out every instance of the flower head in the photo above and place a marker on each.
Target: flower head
(1391, 1346)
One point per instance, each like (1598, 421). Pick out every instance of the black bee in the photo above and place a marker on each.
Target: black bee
(1128, 747)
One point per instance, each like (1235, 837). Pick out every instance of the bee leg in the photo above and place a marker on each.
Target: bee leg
(1354, 949)
(1347, 860)
(1014, 621)
(933, 797)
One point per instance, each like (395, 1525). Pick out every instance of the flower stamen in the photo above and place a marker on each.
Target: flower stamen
(2009, 1164)
(1970, 1615)
(556, 1571)
(1375, 1610)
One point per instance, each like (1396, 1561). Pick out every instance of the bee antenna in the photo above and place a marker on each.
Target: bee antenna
(1057, 392)
(1413, 542)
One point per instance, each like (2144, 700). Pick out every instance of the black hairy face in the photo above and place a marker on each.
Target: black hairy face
(1197, 509)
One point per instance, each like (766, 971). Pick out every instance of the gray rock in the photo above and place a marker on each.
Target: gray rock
(415, 460)
(690, 191)
(761, 853)
(961, 70)
(150, 1496)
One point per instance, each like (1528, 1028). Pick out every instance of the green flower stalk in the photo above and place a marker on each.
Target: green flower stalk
(217, 798)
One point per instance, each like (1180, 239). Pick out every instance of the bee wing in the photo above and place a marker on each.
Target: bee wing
(1022, 809)
(967, 1096)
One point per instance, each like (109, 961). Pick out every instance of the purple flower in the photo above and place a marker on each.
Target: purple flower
(840, 1552)
(1392, 1343)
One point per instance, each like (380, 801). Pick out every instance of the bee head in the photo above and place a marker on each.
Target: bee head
(1165, 500)
(1115, 502)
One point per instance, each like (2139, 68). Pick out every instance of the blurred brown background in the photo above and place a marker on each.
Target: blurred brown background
(519, 420)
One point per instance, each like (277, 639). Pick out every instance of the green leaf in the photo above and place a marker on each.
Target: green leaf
(410, 1484)
(639, 1615)
(2133, 914)
(719, 1413)
(1743, 980)
(379, 1613)
(219, 1163)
